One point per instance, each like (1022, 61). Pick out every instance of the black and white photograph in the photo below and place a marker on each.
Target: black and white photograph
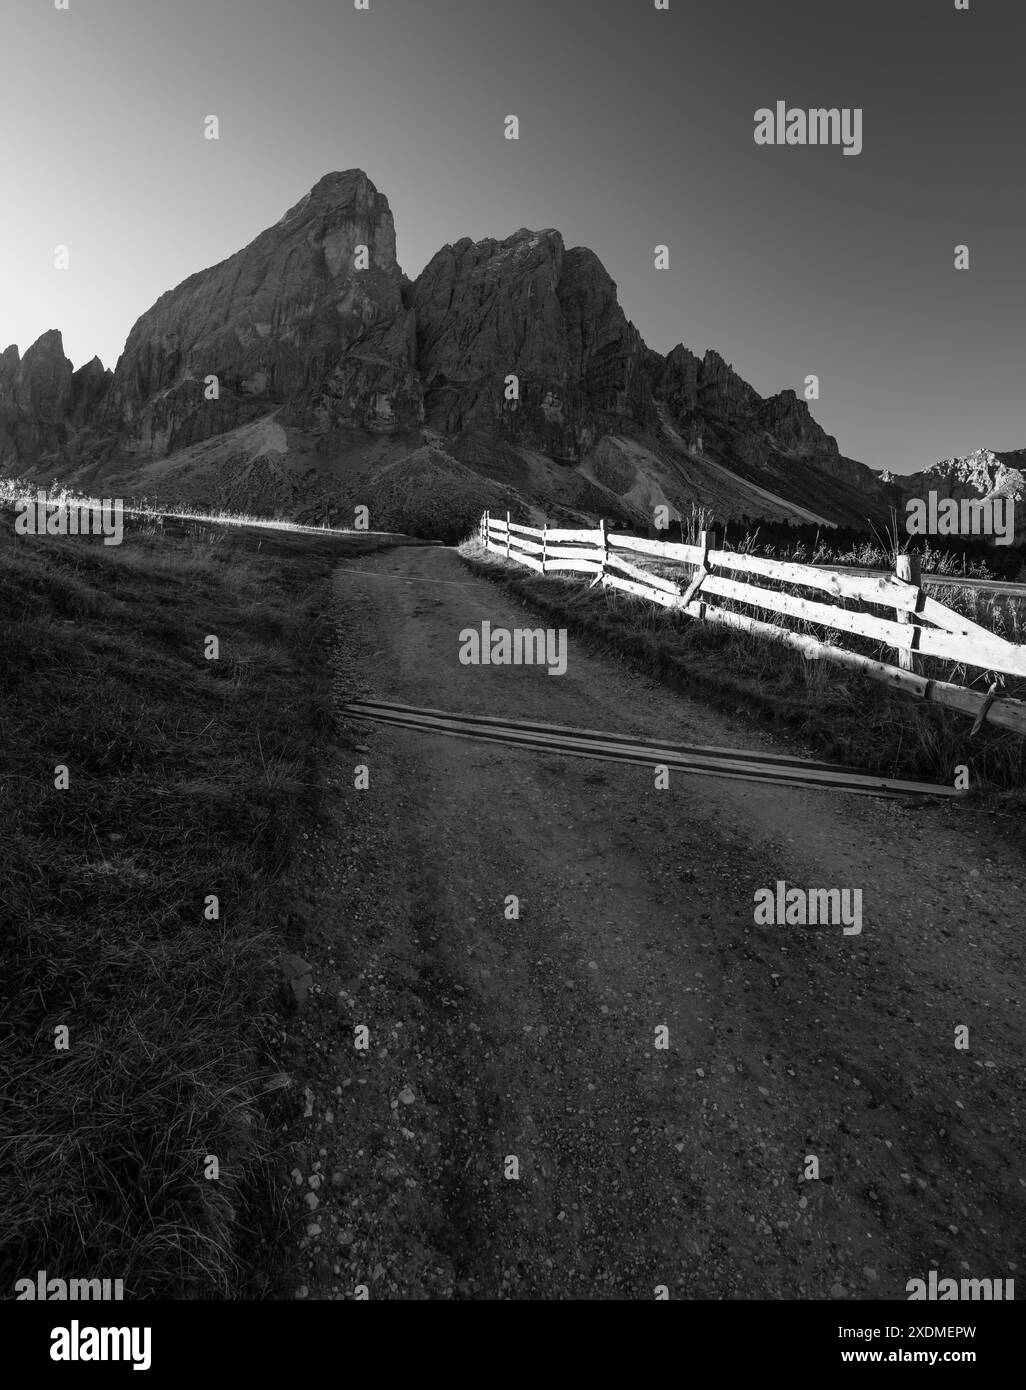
(512, 676)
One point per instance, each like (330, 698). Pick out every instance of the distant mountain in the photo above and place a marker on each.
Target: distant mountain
(980, 475)
(340, 382)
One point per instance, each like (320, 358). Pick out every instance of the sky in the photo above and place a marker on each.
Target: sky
(636, 130)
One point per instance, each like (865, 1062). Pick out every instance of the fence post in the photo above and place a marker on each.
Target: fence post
(706, 542)
(907, 567)
(604, 543)
(544, 531)
(507, 535)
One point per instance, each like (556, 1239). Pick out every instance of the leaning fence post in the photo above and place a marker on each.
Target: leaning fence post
(706, 542)
(907, 567)
(507, 535)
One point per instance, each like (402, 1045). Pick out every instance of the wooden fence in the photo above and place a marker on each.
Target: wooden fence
(921, 627)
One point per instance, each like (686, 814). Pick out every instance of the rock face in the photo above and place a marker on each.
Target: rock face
(89, 388)
(527, 307)
(301, 319)
(42, 387)
(43, 403)
(981, 474)
(702, 389)
(297, 362)
(773, 442)
(705, 396)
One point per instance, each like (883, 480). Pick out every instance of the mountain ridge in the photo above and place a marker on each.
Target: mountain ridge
(508, 357)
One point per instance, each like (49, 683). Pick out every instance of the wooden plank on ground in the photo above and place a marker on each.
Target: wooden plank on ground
(657, 746)
(718, 763)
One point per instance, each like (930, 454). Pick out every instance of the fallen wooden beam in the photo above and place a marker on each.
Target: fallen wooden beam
(710, 763)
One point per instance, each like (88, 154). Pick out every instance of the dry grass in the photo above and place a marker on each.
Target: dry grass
(14, 491)
(188, 778)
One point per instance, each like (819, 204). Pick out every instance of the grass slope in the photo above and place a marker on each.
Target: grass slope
(188, 777)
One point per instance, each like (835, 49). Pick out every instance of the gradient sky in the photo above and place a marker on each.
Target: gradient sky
(636, 129)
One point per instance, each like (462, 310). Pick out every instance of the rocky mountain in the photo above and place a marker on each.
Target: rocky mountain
(306, 374)
(980, 475)
(287, 323)
(44, 405)
(549, 316)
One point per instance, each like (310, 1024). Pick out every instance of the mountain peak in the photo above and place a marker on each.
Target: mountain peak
(341, 180)
(345, 188)
(523, 238)
(51, 341)
(526, 234)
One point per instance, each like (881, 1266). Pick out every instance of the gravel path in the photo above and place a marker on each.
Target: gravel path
(535, 1039)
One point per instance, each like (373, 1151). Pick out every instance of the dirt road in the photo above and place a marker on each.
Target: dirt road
(534, 1039)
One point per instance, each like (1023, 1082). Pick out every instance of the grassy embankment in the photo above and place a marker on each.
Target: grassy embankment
(188, 777)
(835, 712)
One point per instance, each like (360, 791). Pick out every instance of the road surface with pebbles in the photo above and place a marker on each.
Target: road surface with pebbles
(512, 1130)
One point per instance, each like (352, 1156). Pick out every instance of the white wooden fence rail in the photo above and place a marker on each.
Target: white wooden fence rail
(920, 627)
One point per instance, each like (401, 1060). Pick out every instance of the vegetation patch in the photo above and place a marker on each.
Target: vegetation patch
(188, 779)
